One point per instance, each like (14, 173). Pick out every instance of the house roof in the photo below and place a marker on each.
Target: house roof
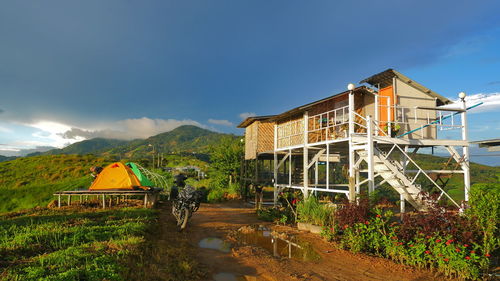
(249, 120)
(488, 143)
(384, 79)
(492, 145)
(302, 108)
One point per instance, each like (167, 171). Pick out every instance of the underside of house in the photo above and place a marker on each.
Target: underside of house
(360, 139)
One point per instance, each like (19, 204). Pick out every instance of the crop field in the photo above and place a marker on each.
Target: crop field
(71, 244)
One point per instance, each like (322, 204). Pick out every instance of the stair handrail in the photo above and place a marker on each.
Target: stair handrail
(417, 166)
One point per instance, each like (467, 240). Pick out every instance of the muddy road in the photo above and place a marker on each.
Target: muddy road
(224, 257)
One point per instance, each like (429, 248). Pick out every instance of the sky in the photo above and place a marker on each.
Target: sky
(74, 70)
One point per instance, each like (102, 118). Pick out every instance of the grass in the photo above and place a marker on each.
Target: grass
(28, 182)
(71, 244)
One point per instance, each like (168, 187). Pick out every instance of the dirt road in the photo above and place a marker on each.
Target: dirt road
(247, 262)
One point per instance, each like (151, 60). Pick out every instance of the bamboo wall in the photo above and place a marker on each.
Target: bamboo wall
(259, 137)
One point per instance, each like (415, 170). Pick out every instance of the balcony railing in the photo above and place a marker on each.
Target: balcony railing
(398, 121)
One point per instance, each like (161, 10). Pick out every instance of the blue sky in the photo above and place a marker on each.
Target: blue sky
(71, 70)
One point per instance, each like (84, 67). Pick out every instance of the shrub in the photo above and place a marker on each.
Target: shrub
(484, 212)
(351, 213)
(215, 195)
(312, 211)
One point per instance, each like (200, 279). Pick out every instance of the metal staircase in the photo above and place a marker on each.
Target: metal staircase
(393, 172)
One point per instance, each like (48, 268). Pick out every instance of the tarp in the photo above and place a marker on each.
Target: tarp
(116, 176)
(142, 178)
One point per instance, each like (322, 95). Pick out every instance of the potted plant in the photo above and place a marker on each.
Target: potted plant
(394, 129)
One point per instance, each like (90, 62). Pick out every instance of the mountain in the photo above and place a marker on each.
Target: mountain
(24, 152)
(183, 139)
(92, 146)
(7, 158)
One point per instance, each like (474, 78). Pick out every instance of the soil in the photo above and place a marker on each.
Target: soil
(246, 262)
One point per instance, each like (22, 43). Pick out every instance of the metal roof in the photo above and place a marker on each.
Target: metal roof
(384, 79)
(249, 120)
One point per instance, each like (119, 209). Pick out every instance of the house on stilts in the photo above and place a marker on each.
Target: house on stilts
(360, 139)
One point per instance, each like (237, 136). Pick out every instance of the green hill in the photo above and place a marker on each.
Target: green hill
(92, 146)
(184, 139)
(27, 182)
(7, 158)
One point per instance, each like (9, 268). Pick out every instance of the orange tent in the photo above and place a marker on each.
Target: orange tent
(116, 176)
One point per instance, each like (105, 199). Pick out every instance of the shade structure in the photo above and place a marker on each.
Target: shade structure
(116, 176)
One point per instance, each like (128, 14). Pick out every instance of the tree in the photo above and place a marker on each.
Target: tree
(226, 159)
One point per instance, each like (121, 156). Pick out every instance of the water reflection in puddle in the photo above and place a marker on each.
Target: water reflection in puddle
(226, 276)
(280, 245)
(216, 244)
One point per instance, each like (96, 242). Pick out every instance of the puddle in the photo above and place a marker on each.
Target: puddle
(226, 276)
(279, 244)
(216, 244)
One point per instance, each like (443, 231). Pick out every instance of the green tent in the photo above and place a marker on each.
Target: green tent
(142, 178)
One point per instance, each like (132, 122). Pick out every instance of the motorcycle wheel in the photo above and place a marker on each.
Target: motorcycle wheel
(185, 214)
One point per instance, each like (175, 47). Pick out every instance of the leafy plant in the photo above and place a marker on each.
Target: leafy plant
(312, 211)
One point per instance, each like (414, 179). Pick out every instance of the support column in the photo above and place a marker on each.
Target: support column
(59, 200)
(306, 156)
(275, 165)
(465, 163)
(290, 168)
(352, 180)
(103, 201)
(377, 118)
(402, 207)
(327, 166)
(370, 154)
(404, 163)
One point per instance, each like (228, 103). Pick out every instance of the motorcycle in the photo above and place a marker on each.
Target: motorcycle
(185, 204)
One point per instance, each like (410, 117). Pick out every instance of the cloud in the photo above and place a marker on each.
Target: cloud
(220, 122)
(245, 115)
(5, 130)
(493, 83)
(128, 129)
(1, 111)
(491, 102)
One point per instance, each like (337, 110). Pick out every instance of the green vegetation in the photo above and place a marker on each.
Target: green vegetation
(225, 160)
(28, 182)
(454, 244)
(71, 244)
(184, 140)
(312, 211)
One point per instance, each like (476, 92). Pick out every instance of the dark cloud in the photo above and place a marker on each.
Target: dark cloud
(74, 61)
(1, 111)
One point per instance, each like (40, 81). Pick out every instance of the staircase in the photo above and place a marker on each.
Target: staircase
(390, 170)
(392, 173)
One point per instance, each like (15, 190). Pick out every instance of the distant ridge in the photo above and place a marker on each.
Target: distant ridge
(91, 146)
(183, 139)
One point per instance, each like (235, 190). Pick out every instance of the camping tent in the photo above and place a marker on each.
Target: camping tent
(116, 176)
(142, 178)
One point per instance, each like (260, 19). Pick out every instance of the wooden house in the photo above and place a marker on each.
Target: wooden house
(367, 132)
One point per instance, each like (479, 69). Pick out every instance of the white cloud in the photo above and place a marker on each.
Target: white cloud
(220, 122)
(245, 115)
(48, 134)
(128, 129)
(491, 102)
(5, 130)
